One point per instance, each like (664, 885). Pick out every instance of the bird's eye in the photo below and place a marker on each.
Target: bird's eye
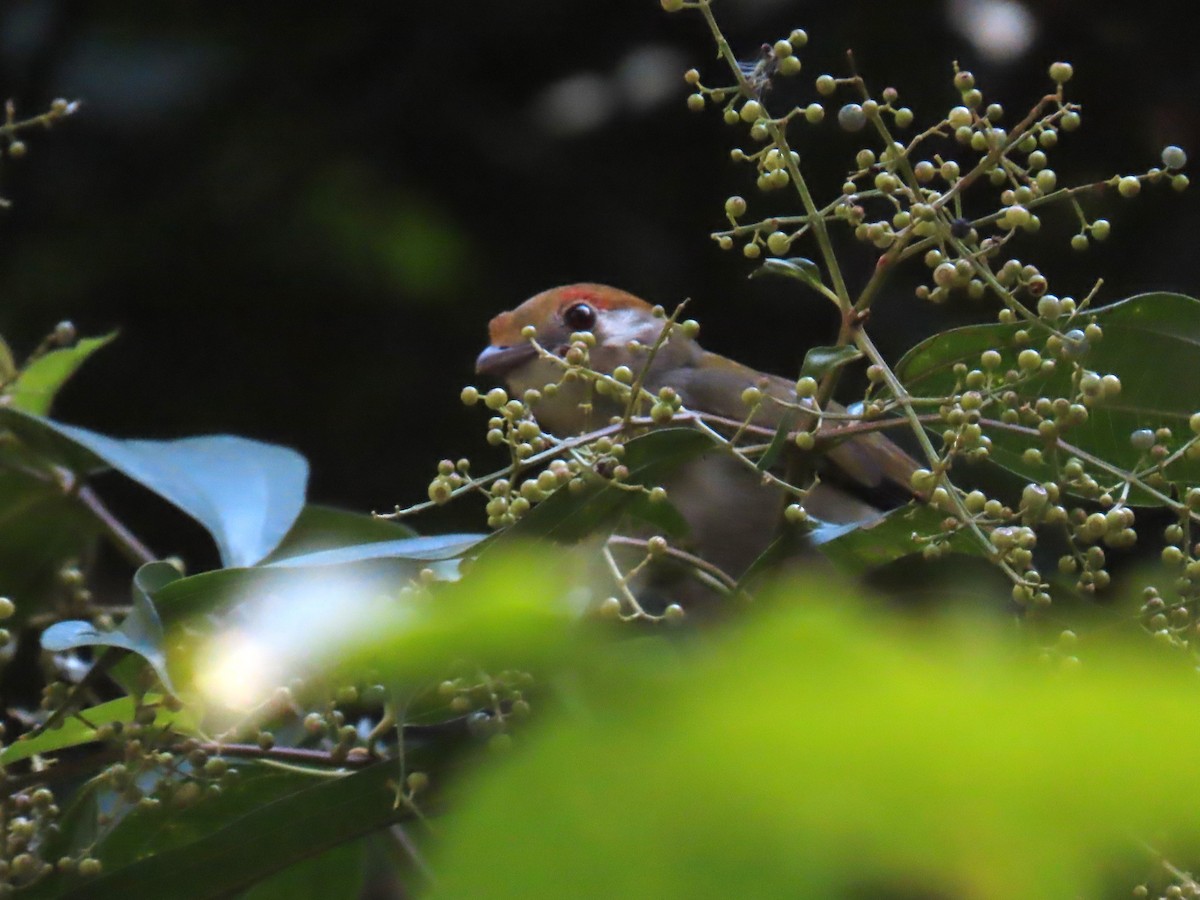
(579, 317)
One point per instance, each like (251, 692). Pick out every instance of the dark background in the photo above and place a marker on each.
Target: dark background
(301, 216)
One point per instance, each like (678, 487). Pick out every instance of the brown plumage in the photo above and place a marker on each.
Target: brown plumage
(716, 494)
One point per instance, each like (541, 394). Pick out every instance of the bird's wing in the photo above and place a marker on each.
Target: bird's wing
(715, 385)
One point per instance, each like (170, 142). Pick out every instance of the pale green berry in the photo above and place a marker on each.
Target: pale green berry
(804, 440)
(814, 113)
(1129, 186)
(795, 514)
(1142, 439)
(806, 387)
(798, 38)
(751, 251)
(778, 243)
(959, 117)
(1071, 121)
(695, 102)
(851, 117)
(1061, 72)
(1079, 242)
(1174, 157)
(826, 85)
(735, 206)
(1100, 229)
(752, 111)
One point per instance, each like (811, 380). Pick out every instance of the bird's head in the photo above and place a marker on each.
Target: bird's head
(619, 322)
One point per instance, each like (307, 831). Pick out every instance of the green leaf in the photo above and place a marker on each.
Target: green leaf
(569, 517)
(798, 268)
(263, 822)
(246, 493)
(81, 728)
(325, 527)
(1151, 342)
(820, 361)
(35, 387)
(140, 633)
(779, 440)
(862, 547)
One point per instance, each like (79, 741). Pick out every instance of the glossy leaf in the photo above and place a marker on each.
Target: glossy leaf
(378, 567)
(336, 874)
(141, 632)
(820, 361)
(325, 527)
(866, 546)
(1151, 342)
(246, 493)
(38, 382)
(264, 822)
(81, 729)
(798, 268)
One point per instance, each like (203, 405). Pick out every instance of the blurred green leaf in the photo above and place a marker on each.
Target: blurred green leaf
(798, 268)
(1151, 342)
(829, 752)
(37, 384)
(247, 494)
(336, 874)
(517, 609)
(265, 821)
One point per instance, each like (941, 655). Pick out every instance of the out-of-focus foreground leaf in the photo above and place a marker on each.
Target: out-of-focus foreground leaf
(1164, 328)
(829, 753)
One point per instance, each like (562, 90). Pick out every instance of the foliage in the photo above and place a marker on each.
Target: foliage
(303, 711)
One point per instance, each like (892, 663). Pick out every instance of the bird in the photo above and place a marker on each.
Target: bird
(732, 514)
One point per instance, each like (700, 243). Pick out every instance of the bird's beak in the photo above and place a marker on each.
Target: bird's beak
(499, 361)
